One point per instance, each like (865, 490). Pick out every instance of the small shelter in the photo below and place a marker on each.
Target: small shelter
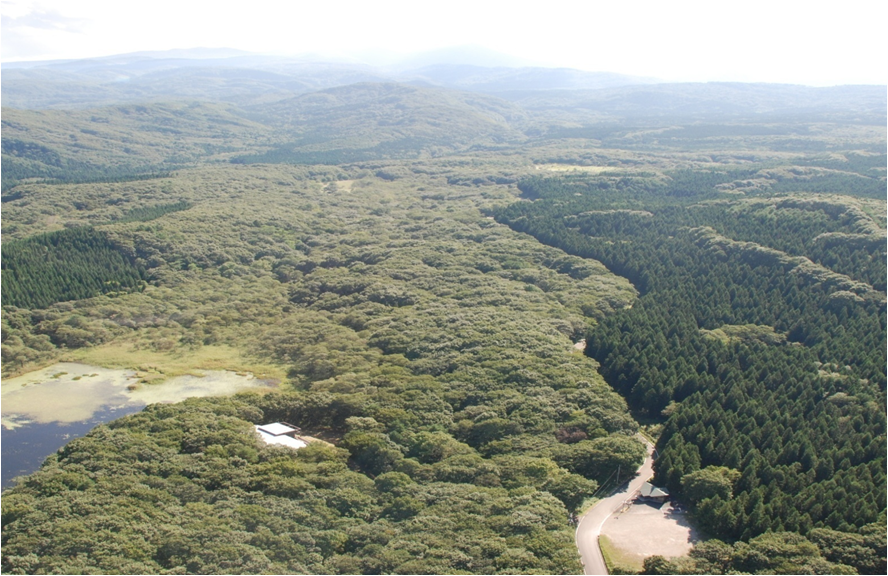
(650, 492)
(281, 433)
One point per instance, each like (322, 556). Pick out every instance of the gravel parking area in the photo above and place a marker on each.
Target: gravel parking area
(644, 529)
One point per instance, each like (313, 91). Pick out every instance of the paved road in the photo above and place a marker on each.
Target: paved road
(589, 527)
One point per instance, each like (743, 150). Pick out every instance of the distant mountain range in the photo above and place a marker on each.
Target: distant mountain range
(243, 78)
(151, 112)
(247, 80)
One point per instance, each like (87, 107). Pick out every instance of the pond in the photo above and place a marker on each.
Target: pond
(43, 410)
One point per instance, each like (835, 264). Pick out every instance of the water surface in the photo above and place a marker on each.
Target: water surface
(44, 409)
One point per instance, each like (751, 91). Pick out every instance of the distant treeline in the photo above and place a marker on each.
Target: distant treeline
(109, 179)
(147, 213)
(636, 190)
(867, 164)
(65, 265)
(291, 154)
(27, 160)
(623, 190)
(835, 183)
(286, 155)
(16, 176)
(784, 134)
(793, 399)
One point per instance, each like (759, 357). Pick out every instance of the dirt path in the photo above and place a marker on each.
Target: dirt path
(589, 527)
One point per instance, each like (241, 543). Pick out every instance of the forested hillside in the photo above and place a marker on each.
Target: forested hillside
(373, 121)
(417, 267)
(120, 142)
(436, 350)
(762, 363)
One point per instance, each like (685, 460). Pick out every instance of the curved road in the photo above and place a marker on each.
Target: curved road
(589, 527)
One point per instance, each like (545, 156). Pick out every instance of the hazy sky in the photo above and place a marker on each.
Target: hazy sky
(806, 42)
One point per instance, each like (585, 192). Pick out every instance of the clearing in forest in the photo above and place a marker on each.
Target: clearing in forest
(645, 529)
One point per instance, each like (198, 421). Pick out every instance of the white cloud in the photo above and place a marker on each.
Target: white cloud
(814, 42)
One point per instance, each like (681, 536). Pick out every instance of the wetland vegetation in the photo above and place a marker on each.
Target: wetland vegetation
(414, 267)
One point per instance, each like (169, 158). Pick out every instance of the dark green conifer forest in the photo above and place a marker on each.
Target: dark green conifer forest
(764, 363)
(66, 265)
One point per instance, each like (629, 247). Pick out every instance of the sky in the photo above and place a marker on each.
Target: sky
(813, 42)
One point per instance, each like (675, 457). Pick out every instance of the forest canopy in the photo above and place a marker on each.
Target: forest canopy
(419, 270)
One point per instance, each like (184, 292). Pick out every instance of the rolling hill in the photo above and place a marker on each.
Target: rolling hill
(373, 120)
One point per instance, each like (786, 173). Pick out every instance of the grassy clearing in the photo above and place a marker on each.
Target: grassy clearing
(345, 185)
(156, 366)
(618, 561)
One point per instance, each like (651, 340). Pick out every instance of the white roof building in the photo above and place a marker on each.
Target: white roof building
(281, 433)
